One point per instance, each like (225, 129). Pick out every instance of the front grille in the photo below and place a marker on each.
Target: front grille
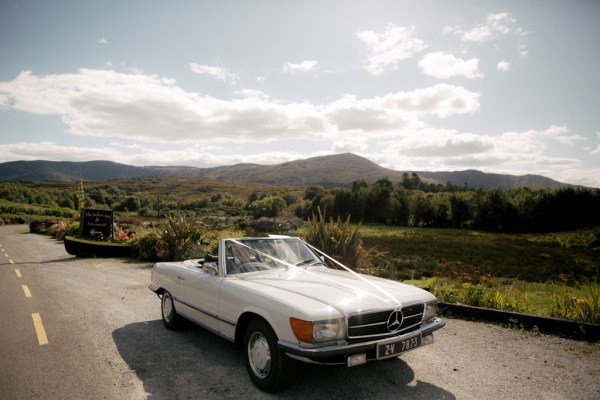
(375, 324)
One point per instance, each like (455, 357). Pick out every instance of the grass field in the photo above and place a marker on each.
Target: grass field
(553, 275)
(417, 252)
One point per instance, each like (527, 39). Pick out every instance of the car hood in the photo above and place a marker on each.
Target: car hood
(343, 290)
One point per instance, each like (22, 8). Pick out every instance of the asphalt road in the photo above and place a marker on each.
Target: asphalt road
(90, 329)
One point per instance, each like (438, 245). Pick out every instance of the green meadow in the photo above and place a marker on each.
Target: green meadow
(551, 275)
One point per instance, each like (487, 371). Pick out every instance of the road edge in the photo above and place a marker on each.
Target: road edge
(557, 326)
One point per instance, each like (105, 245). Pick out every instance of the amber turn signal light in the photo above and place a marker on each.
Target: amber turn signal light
(303, 330)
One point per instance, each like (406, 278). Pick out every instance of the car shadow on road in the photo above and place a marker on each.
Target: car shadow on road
(192, 363)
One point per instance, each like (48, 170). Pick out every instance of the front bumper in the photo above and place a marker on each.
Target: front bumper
(338, 353)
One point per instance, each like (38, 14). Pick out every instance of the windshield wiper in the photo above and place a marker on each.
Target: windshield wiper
(308, 262)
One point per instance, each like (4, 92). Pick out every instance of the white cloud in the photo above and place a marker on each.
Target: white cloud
(589, 177)
(145, 107)
(510, 152)
(396, 112)
(442, 143)
(441, 100)
(102, 41)
(523, 51)
(444, 65)
(495, 25)
(503, 66)
(304, 66)
(388, 48)
(349, 147)
(209, 158)
(52, 151)
(219, 73)
(561, 134)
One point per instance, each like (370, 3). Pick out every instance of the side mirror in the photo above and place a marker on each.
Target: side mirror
(210, 267)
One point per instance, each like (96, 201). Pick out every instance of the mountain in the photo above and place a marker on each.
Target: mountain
(71, 171)
(327, 171)
(474, 179)
(338, 170)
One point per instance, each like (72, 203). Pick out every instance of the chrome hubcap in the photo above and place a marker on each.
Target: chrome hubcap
(167, 308)
(259, 355)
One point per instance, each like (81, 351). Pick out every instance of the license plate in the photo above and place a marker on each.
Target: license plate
(391, 349)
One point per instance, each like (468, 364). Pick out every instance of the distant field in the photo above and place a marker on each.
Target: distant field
(417, 252)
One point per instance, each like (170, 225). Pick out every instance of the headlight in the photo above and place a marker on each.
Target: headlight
(326, 330)
(316, 331)
(430, 310)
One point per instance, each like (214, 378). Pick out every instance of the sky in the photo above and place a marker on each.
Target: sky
(508, 87)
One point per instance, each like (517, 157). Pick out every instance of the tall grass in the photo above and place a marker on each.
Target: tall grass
(341, 241)
(586, 309)
(549, 299)
(180, 237)
(496, 295)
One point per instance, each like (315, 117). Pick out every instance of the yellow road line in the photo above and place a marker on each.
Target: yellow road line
(11, 261)
(18, 273)
(26, 291)
(39, 329)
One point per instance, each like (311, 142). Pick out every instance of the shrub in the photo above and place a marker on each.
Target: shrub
(58, 230)
(129, 220)
(180, 238)
(279, 224)
(145, 246)
(341, 241)
(41, 225)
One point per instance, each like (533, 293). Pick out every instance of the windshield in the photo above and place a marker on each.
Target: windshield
(257, 254)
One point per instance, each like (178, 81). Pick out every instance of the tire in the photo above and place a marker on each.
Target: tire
(170, 318)
(267, 366)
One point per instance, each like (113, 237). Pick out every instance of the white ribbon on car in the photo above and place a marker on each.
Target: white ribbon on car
(389, 296)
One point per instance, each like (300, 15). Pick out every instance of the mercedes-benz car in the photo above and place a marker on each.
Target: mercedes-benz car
(283, 299)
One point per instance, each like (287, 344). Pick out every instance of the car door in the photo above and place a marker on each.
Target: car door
(199, 295)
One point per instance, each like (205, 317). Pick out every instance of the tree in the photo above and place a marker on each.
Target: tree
(399, 207)
(459, 211)
(423, 213)
(130, 203)
(342, 203)
(359, 184)
(496, 213)
(269, 206)
(411, 182)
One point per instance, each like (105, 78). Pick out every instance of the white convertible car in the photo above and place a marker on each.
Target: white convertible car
(282, 298)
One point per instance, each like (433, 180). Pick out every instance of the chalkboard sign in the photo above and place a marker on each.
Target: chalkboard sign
(96, 223)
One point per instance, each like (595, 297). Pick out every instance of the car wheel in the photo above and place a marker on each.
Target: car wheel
(169, 315)
(268, 367)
